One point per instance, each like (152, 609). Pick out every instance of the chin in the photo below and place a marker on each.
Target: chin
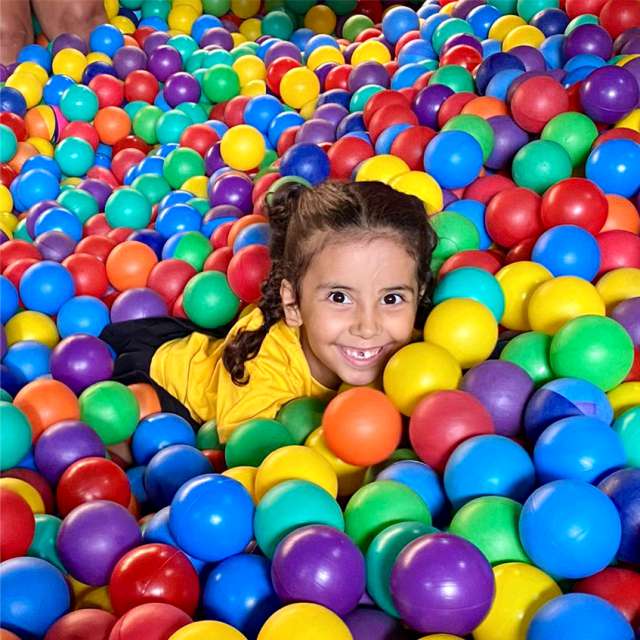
(359, 378)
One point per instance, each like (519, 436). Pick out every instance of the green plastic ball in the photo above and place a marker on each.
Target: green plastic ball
(207, 436)
(156, 9)
(455, 233)
(447, 29)
(5, 396)
(593, 348)
(216, 57)
(127, 207)
(21, 232)
(299, 6)
(540, 164)
(79, 102)
(477, 127)
(574, 132)
(301, 416)
(15, 435)
(185, 45)
(528, 8)
(194, 111)
(578, 21)
(491, 523)
(8, 143)
(505, 7)
(355, 25)
(193, 248)
(74, 156)
(153, 187)
(180, 165)
(221, 83)
(132, 108)
(378, 505)
(145, 121)
(530, 351)
(201, 204)
(457, 78)
(216, 7)
(209, 301)
(342, 7)
(194, 62)
(170, 126)
(290, 505)
(627, 426)
(381, 556)
(277, 24)
(79, 202)
(399, 454)
(361, 96)
(43, 544)
(254, 440)
(111, 410)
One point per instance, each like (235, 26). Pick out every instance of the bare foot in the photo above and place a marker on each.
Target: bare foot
(69, 16)
(16, 29)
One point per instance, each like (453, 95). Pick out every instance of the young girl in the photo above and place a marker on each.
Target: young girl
(349, 278)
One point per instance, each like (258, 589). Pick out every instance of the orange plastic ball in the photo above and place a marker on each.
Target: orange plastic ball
(112, 124)
(622, 215)
(147, 398)
(362, 426)
(129, 265)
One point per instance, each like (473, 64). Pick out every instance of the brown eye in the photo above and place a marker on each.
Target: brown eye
(393, 298)
(338, 297)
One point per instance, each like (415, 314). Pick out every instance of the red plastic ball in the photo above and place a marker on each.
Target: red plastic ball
(109, 89)
(462, 55)
(169, 278)
(513, 215)
(102, 173)
(90, 479)
(247, 271)
(346, 154)
(18, 525)
(218, 260)
(410, 145)
(618, 249)
(617, 134)
(15, 123)
(287, 139)
(37, 482)
(370, 8)
(96, 225)
(441, 421)
(389, 115)
(338, 77)
(17, 250)
(88, 273)
(199, 137)
(234, 110)
(262, 184)
(536, 101)
(141, 85)
(574, 8)
(486, 260)
(124, 160)
(96, 245)
(120, 234)
(83, 130)
(634, 373)
(576, 201)
(154, 573)
(381, 99)
(404, 39)
(131, 142)
(151, 621)
(453, 106)
(619, 15)
(221, 234)
(7, 174)
(485, 187)
(521, 251)
(370, 33)
(16, 269)
(83, 624)
(276, 71)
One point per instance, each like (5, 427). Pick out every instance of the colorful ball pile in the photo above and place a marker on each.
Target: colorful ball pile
(134, 170)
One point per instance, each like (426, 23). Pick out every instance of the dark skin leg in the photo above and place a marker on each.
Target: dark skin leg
(16, 29)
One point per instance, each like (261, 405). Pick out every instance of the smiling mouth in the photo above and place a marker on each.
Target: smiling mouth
(361, 357)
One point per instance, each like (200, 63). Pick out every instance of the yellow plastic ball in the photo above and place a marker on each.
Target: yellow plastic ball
(111, 8)
(8, 232)
(242, 147)
(8, 220)
(421, 185)
(518, 282)
(465, 328)
(308, 109)
(32, 325)
(181, 18)
(44, 147)
(525, 35)
(72, 181)
(324, 54)
(504, 25)
(237, 38)
(98, 56)
(383, 168)
(624, 396)
(6, 199)
(370, 51)
(630, 121)
(299, 86)
(350, 477)
(295, 462)
(246, 476)
(417, 369)
(245, 8)
(303, 621)
(254, 88)
(123, 24)
(521, 589)
(196, 185)
(33, 68)
(194, 4)
(320, 19)
(40, 122)
(441, 636)
(448, 8)
(26, 491)
(28, 85)
(249, 68)
(94, 598)
(627, 58)
(562, 299)
(207, 630)
(618, 285)
(251, 29)
(69, 62)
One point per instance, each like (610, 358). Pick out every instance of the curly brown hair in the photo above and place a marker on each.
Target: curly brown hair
(298, 214)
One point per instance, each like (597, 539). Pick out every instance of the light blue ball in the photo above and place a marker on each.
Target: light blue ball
(46, 286)
(82, 314)
(28, 360)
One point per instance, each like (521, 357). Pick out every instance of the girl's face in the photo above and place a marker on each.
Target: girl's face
(357, 307)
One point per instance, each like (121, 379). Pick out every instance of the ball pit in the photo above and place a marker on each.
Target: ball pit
(134, 170)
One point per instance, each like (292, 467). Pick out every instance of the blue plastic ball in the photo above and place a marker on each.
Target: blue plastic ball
(615, 167)
(386, 138)
(453, 158)
(176, 218)
(12, 100)
(258, 233)
(570, 529)
(280, 122)
(153, 239)
(55, 86)
(212, 517)
(82, 314)
(33, 595)
(174, 197)
(36, 185)
(481, 18)
(416, 51)
(473, 210)
(488, 465)
(41, 162)
(407, 75)
(202, 24)
(106, 38)
(135, 476)
(551, 50)
(568, 250)
(397, 21)
(260, 111)
(28, 360)
(550, 21)
(157, 431)
(9, 301)
(307, 161)
(46, 286)
(36, 53)
(59, 219)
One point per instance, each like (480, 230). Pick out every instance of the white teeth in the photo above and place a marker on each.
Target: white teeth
(362, 354)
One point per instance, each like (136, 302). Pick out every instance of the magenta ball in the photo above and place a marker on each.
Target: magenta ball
(319, 564)
(441, 583)
(135, 304)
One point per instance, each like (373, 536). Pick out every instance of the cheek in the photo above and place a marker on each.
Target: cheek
(400, 327)
(324, 325)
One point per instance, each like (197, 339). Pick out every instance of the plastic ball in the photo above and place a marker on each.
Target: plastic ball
(82, 314)
(127, 207)
(15, 436)
(614, 166)
(575, 132)
(421, 185)
(540, 164)
(242, 147)
(209, 301)
(307, 161)
(31, 325)
(304, 620)
(453, 158)
(45, 287)
(252, 441)
(19, 529)
(157, 620)
(609, 93)
(299, 86)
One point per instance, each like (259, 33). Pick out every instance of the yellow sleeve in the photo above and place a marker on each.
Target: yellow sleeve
(184, 367)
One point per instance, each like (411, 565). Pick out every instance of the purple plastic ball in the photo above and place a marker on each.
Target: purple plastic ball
(530, 57)
(135, 304)
(332, 112)
(427, 103)
(213, 160)
(3, 342)
(609, 93)
(316, 131)
(323, 71)
(98, 189)
(503, 388)
(68, 41)
(633, 67)
(164, 62)
(627, 313)
(368, 73)
(508, 139)
(631, 46)
(181, 87)
(588, 38)
(81, 360)
(54, 245)
(93, 537)
(4, 73)
(461, 38)
(282, 50)
(62, 444)
(441, 583)
(448, 197)
(624, 37)
(128, 59)
(366, 623)
(154, 40)
(233, 188)
(35, 212)
(319, 564)
(464, 7)
(216, 36)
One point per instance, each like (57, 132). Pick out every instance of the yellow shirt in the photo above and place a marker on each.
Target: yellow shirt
(191, 370)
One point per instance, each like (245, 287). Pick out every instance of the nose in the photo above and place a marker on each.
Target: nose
(366, 322)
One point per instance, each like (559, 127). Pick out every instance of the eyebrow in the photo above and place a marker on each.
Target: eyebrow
(337, 285)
